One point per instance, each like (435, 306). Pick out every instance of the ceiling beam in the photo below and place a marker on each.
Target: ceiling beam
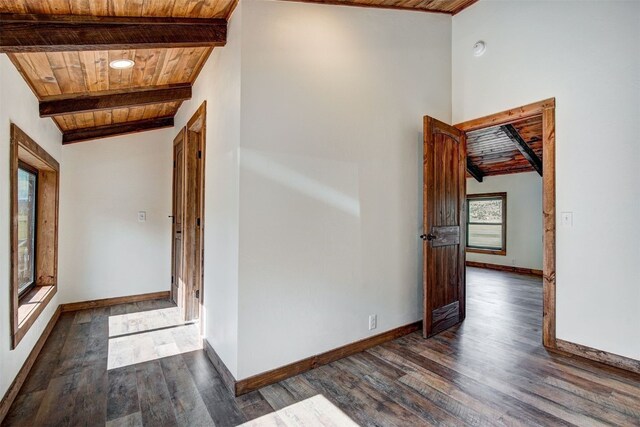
(78, 135)
(474, 171)
(523, 147)
(96, 101)
(54, 33)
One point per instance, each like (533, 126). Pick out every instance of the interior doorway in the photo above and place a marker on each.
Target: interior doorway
(446, 165)
(187, 263)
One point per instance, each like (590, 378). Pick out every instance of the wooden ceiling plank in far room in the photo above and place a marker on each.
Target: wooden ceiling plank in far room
(474, 171)
(523, 147)
(96, 101)
(79, 135)
(54, 33)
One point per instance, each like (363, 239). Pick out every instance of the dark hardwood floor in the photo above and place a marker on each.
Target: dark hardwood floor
(491, 370)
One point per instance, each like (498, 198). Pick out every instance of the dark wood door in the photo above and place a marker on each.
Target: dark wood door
(192, 224)
(444, 226)
(177, 246)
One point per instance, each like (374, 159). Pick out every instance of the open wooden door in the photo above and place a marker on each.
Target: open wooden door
(444, 226)
(177, 215)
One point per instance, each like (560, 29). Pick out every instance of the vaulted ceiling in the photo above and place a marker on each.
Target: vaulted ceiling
(63, 49)
(505, 149)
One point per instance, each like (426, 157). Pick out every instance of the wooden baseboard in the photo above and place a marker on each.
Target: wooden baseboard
(227, 377)
(240, 387)
(601, 356)
(19, 380)
(508, 268)
(107, 302)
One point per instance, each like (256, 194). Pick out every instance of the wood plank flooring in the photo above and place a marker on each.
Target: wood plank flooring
(491, 370)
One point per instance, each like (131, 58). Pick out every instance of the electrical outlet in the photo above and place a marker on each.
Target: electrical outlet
(142, 216)
(566, 219)
(373, 321)
(513, 261)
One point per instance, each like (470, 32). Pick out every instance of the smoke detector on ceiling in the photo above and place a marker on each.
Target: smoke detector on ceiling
(479, 48)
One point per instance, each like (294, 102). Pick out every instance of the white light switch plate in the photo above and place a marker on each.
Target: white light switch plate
(142, 216)
(566, 219)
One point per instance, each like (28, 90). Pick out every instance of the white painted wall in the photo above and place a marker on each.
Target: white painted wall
(104, 251)
(587, 57)
(219, 84)
(331, 153)
(18, 105)
(524, 218)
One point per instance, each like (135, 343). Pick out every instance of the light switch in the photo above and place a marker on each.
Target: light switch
(142, 216)
(567, 219)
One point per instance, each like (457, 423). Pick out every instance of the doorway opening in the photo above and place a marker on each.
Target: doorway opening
(449, 231)
(187, 252)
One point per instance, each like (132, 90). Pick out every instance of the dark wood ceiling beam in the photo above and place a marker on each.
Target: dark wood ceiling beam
(96, 101)
(474, 171)
(78, 135)
(523, 147)
(53, 33)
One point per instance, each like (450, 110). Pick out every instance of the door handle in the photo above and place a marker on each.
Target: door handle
(428, 236)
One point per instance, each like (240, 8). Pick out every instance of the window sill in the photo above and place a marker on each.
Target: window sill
(29, 308)
(487, 251)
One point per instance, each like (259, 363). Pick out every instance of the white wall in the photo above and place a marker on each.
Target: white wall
(587, 57)
(219, 84)
(524, 218)
(331, 153)
(19, 105)
(103, 250)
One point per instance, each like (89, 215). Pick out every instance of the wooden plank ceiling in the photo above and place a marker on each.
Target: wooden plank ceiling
(63, 49)
(493, 151)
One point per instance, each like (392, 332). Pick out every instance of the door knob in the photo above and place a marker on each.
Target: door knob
(428, 237)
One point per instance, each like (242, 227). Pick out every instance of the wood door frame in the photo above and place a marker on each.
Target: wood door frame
(546, 110)
(198, 125)
(180, 134)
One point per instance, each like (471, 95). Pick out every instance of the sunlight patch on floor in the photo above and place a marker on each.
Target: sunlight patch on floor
(149, 335)
(314, 411)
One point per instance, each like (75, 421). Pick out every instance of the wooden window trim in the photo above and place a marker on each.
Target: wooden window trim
(503, 250)
(26, 308)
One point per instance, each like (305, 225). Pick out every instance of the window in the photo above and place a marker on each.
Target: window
(487, 223)
(27, 182)
(34, 231)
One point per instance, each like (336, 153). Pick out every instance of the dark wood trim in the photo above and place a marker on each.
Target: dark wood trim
(117, 129)
(474, 171)
(546, 109)
(508, 116)
(96, 101)
(23, 148)
(601, 356)
(240, 387)
(19, 380)
(508, 268)
(56, 33)
(227, 377)
(523, 147)
(486, 251)
(377, 6)
(107, 302)
(270, 377)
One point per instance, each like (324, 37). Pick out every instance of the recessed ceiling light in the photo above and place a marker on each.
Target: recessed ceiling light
(121, 64)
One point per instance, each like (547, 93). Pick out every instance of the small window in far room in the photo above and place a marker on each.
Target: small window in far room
(487, 223)
(27, 182)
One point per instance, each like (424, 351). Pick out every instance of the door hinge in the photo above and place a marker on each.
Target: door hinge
(198, 222)
(199, 154)
(172, 280)
(174, 163)
(198, 293)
